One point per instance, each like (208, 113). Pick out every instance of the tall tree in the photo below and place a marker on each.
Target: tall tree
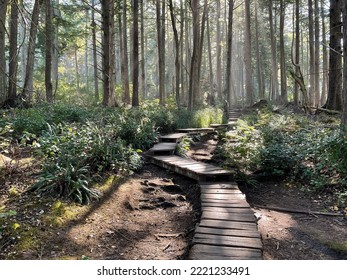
(218, 51)
(13, 64)
(29, 72)
(284, 95)
(335, 58)
(135, 8)
(344, 114)
(248, 54)
(108, 52)
(316, 54)
(95, 55)
(297, 50)
(177, 54)
(143, 56)
(260, 72)
(124, 65)
(3, 91)
(160, 11)
(312, 89)
(229, 88)
(325, 57)
(49, 51)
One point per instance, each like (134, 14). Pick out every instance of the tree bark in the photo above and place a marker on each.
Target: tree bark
(143, 57)
(284, 95)
(135, 97)
(248, 55)
(177, 54)
(344, 114)
(29, 72)
(260, 72)
(125, 61)
(108, 54)
(161, 52)
(95, 57)
(312, 84)
(297, 50)
(316, 54)
(229, 86)
(49, 50)
(3, 80)
(13, 64)
(218, 53)
(325, 57)
(335, 58)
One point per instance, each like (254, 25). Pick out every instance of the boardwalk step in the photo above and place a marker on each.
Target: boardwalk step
(160, 148)
(227, 216)
(173, 137)
(196, 130)
(210, 252)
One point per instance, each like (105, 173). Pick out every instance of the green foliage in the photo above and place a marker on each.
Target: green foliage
(183, 146)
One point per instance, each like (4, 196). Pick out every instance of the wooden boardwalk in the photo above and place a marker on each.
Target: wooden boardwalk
(227, 228)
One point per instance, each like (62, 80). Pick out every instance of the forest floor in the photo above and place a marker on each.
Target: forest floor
(152, 215)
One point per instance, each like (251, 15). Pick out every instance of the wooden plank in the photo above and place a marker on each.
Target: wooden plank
(240, 217)
(229, 241)
(228, 232)
(210, 252)
(219, 186)
(176, 137)
(228, 225)
(221, 191)
(222, 196)
(224, 203)
(228, 210)
(163, 147)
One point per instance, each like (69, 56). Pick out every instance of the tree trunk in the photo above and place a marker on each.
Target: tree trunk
(218, 53)
(55, 48)
(77, 71)
(13, 64)
(143, 70)
(284, 95)
(95, 57)
(210, 67)
(108, 54)
(312, 89)
(316, 54)
(177, 54)
(335, 58)
(228, 76)
(248, 54)
(125, 61)
(325, 57)
(161, 53)
(297, 50)
(29, 72)
(274, 67)
(260, 72)
(49, 49)
(344, 114)
(3, 91)
(135, 99)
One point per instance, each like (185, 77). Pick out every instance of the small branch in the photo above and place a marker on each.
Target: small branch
(298, 211)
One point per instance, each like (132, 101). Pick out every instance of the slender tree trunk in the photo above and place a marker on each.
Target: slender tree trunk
(212, 89)
(312, 89)
(29, 72)
(218, 53)
(55, 48)
(49, 49)
(177, 54)
(248, 54)
(126, 89)
(274, 67)
(297, 50)
(325, 57)
(284, 95)
(108, 54)
(3, 80)
(95, 57)
(316, 53)
(77, 71)
(344, 114)
(228, 76)
(135, 99)
(161, 53)
(260, 72)
(335, 58)
(143, 70)
(13, 64)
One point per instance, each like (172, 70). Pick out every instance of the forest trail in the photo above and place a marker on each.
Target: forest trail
(227, 228)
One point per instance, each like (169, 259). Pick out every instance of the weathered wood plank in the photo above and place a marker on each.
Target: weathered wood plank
(228, 232)
(210, 252)
(217, 191)
(225, 203)
(228, 225)
(241, 217)
(222, 196)
(173, 137)
(228, 210)
(219, 186)
(163, 147)
(229, 241)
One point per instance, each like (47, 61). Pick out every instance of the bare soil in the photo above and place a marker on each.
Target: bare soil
(152, 215)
